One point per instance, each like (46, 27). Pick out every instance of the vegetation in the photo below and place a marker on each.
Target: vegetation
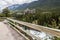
(6, 12)
(50, 18)
(46, 17)
(55, 38)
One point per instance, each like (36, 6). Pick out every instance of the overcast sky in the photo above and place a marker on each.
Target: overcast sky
(5, 3)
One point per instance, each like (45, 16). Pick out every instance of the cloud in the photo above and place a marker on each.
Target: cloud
(2, 4)
(24, 1)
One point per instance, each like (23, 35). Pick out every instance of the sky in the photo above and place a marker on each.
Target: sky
(5, 3)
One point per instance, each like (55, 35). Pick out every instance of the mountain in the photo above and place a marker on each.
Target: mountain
(18, 6)
(37, 4)
(13, 7)
(45, 4)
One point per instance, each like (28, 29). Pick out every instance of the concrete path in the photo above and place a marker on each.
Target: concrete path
(5, 33)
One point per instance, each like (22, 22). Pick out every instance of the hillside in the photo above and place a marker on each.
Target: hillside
(37, 4)
(18, 6)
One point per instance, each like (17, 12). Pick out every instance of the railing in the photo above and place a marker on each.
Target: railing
(51, 31)
(24, 33)
(21, 31)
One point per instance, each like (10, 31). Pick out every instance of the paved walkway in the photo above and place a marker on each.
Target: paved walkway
(7, 33)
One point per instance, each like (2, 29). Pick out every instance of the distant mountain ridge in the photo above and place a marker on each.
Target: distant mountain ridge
(45, 3)
(35, 4)
(18, 6)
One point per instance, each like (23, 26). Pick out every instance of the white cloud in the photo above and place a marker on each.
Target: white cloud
(24, 1)
(5, 3)
(2, 4)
